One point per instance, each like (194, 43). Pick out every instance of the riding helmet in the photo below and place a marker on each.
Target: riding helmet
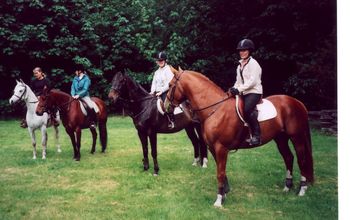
(246, 44)
(161, 56)
(79, 66)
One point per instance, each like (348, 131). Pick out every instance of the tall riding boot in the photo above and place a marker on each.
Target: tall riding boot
(255, 128)
(92, 118)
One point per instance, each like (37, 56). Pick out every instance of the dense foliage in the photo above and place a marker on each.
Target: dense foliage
(296, 42)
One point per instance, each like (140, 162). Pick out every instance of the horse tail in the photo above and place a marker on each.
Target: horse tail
(309, 165)
(102, 126)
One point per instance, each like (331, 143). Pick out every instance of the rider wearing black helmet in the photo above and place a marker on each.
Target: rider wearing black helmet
(248, 84)
(161, 80)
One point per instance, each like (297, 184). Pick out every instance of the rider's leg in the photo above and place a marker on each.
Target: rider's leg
(250, 102)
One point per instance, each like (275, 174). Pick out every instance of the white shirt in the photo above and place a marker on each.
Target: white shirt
(161, 79)
(251, 73)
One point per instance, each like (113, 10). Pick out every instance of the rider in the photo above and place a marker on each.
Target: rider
(248, 84)
(37, 85)
(161, 80)
(80, 90)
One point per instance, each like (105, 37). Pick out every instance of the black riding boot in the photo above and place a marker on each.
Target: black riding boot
(255, 128)
(92, 118)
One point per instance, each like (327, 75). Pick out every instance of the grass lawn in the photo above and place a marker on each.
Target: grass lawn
(114, 186)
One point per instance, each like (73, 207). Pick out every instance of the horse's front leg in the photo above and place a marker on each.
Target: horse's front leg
(223, 187)
(78, 139)
(153, 141)
(71, 134)
(32, 136)
(144, 143)
(94, 137)
(44, 140)
(57, 141)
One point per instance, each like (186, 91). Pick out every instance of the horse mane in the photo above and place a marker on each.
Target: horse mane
(137, 85)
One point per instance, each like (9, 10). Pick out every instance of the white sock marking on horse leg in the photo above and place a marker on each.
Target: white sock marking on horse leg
(195, 161)
(288, 176)
(302, 188)
(205, 162)
(218, 202)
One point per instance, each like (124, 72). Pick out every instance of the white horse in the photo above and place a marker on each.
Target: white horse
(23, 92)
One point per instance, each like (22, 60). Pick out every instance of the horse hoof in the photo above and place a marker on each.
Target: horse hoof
(205, 163)
(218, 202)
(302, 190)
(34, 158)
(286, 189)
(59, 150)
(155, 174)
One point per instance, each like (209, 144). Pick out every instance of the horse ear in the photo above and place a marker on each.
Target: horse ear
(17, 81)
(180, 70)
(21, 81)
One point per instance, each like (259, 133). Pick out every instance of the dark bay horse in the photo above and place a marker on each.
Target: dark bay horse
(142, 108)
(224, 131)
(73, 118)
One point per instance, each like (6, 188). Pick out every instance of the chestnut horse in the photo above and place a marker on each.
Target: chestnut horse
(73, 118)
(142, 108)
(224, 131)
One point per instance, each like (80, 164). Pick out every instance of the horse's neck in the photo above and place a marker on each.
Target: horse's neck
(138, 97)
(31, 100)
(61, 100)
(202, 93)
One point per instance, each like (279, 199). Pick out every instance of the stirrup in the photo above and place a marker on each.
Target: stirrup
(255, 141)
(171, 124)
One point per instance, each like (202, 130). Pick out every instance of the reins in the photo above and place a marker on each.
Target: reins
(214, 104)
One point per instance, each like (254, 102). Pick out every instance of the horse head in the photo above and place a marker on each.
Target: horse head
(45, 102)
(175, 95)
(19, 92)
(119, 87)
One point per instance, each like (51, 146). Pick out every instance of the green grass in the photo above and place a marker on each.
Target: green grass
(114, 186)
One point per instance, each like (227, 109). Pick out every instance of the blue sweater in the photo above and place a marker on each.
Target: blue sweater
(80, 86)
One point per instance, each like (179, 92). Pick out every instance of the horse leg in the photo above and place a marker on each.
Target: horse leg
(283, 147)
(221, 158)
(193, 137)
(94, 137)
(144, 143)
(153, 141)
(32, 136)
(202, 146)
(57, 142)
(71, 134)
(78, 136)
(300, 143)
(44, 141)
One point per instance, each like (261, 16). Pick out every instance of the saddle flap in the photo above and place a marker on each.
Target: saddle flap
(161, 109)
(266, 110)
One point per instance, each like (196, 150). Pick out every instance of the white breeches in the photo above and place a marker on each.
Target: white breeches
(90, 103)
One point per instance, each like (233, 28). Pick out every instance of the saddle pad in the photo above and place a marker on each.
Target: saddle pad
(266, 110)
(160, 107)
(82, 108)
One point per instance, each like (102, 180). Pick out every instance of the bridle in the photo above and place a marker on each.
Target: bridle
(25, 91)
(172, 92)
(59, 107)
(128, 101)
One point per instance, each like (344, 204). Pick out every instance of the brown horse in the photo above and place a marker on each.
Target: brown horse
(73, 118)
(224, 131)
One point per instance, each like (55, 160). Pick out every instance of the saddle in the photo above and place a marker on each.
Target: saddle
(265, 109)
(161, 108)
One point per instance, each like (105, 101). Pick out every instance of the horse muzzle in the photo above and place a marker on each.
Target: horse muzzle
(113, 95)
